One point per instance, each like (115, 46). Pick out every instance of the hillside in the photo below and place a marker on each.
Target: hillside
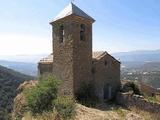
(101, 111)
(147, 72)
(23, 67)
(104, 112)
(140, 56)
(150, 66)
(111, 112)
(141, 60)
(140, 65)
(9, 81)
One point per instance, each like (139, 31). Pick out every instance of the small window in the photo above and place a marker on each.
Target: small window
(82, 32)
(93, 70)
(83, 27)
(105, 63)
(61, 34)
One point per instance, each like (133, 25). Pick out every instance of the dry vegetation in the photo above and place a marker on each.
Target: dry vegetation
(112, 112)
(154, 99)
(158, 98)
(39, 101)
(102, 112)
(43, 116)
(99, 112)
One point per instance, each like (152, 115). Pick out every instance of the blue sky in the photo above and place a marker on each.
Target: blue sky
(121, 25)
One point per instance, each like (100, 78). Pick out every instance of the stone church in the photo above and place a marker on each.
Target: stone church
(73, 60)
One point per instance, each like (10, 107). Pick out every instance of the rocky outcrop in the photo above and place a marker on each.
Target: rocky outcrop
(127, 99)
(20, 105)
(101, 112)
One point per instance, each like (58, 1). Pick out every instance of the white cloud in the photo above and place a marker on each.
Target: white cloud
(14, 44)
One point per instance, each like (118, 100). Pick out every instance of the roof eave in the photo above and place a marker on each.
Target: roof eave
(56, 20)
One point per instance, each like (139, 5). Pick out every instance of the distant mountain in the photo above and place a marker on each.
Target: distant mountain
(150, 66)
(23, 58)
(9, 81)
(26, 64)
(138, 56)
(140, 65)
(25, 68)
(140, 60)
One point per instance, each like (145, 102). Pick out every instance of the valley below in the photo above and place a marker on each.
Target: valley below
(133, 67)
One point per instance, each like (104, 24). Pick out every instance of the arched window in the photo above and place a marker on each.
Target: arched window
(61, 34)
(82, 32)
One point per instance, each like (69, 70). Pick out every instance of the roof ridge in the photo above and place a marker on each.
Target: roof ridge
(72, 9)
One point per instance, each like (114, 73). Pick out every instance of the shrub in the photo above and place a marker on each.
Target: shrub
(131, 86)
(86, 94)
(65, 106)
(39, 98)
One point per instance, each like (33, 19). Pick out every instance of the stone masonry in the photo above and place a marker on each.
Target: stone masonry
(72, 60)
(129, 100)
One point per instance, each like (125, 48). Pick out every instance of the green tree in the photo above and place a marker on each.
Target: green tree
(39, 98)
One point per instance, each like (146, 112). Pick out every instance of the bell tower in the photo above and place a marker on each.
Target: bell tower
(72, 48)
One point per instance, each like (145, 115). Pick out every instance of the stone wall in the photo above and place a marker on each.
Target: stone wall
(127, 100)
(82, 54)
(72, 57)
(63, 57)
(45, 65)
(45, 68)
(106, 74)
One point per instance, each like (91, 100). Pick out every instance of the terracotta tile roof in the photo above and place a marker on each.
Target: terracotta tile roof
(48, 59)
(72, 9)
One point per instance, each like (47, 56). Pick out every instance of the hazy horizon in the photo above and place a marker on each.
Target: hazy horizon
(93, 51)
(47, 53)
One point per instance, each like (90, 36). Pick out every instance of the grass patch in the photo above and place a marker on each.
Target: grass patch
(154, 99)
(158, 98)
(51, 115)
(146, 115)
(121, 112)
(65, 106)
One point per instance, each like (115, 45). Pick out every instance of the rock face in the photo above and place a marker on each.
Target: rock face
(20, 105)
(27, 85)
